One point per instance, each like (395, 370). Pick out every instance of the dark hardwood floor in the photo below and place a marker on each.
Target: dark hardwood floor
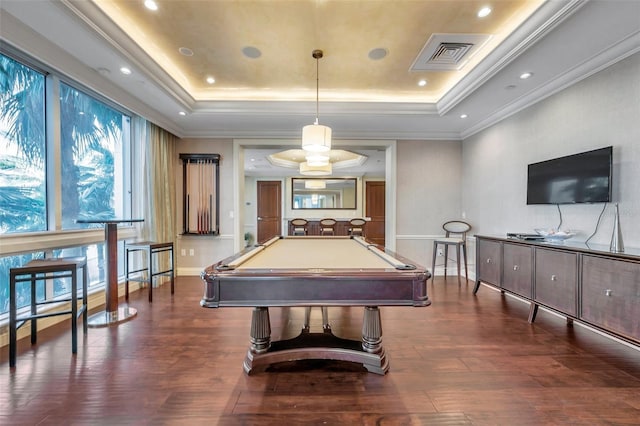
(464, 360)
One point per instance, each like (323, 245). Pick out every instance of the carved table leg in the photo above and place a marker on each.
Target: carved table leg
(260, 330)
(372, 330)
(372, 341)
(260, 337)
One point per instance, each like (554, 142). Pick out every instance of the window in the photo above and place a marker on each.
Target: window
(92, 136)
(46, 183)
(22, 148)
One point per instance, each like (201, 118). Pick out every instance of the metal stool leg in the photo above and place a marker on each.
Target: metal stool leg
(458, 248)
(325, 319)
(446, 257)
(433, 264)
(464, 254)
(307, 318)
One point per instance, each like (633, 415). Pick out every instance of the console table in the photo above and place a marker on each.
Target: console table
(586, 283)
(111, 314)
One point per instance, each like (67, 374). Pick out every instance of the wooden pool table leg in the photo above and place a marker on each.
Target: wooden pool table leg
(372, 340)
(368, 352)
(260, 330)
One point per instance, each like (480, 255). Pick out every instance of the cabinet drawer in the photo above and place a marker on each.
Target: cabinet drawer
(489, 261)
(556, 280)
(517, 275)
(611, 294)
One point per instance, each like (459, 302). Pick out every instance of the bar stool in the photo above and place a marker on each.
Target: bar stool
(456, 236)
(46, 269)
(149, 248)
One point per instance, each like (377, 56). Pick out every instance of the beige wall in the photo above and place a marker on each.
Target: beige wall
(206, 249)
(429, 176)
(599, 111)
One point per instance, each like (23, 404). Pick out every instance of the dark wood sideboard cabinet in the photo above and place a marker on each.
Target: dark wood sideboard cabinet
(588, 284)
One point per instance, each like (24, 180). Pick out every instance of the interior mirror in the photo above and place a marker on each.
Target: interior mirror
(316, 193)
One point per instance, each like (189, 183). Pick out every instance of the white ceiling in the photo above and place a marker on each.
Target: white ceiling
(273, 95)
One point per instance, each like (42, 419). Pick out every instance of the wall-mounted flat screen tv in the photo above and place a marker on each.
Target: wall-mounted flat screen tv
(578, 178)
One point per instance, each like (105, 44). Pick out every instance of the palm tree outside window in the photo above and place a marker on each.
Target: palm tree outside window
(92, 146)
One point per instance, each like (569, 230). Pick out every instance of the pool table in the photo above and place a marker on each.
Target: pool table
(315, 271)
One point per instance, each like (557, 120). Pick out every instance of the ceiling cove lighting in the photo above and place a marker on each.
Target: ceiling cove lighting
(315, 137)
(315, 184)
(307, 170)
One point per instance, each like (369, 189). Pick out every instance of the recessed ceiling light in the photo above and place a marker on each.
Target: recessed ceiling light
(150, 4)
(185, 51)
(125, 70)
(251, 52)
(182, 113)
(463, 116)
(103, 71)
(510, 87)
(422, 83)
(377, 53)
(525, 75)
(485, 11)
(211, 80)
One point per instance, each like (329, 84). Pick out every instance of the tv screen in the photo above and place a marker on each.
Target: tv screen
(578, 178)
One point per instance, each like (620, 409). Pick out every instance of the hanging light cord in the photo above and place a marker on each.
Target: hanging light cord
(317, 54)
(317, 89)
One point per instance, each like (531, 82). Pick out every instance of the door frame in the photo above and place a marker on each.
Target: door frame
(238, 180)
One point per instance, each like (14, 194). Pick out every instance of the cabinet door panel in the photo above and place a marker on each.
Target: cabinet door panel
(611, 294)
(556, 280)
(517, 274)
(489, 261)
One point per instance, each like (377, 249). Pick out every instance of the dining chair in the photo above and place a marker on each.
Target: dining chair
(328, 226)
(300, 226)
(356, 226)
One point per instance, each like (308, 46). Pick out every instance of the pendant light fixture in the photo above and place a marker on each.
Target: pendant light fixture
(307, 170)
(315, 184)
(316, 137)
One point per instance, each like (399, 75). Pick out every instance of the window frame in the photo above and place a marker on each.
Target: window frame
(54, 238)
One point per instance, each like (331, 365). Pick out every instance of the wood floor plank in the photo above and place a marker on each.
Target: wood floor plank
(465, 360)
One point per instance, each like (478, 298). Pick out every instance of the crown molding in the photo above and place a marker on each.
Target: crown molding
(93, 17)
(544, 20)
(604, 59)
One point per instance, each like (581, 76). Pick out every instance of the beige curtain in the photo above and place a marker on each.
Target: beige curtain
(159, 185)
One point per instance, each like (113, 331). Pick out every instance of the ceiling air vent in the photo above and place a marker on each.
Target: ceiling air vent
(448, 51)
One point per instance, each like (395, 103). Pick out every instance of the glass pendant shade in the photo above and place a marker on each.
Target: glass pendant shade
(315, 159)
(315, 184)
(307, 170)
(316, 138)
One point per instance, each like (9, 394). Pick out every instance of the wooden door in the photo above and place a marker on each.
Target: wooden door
(375, 209)
(269, 210)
